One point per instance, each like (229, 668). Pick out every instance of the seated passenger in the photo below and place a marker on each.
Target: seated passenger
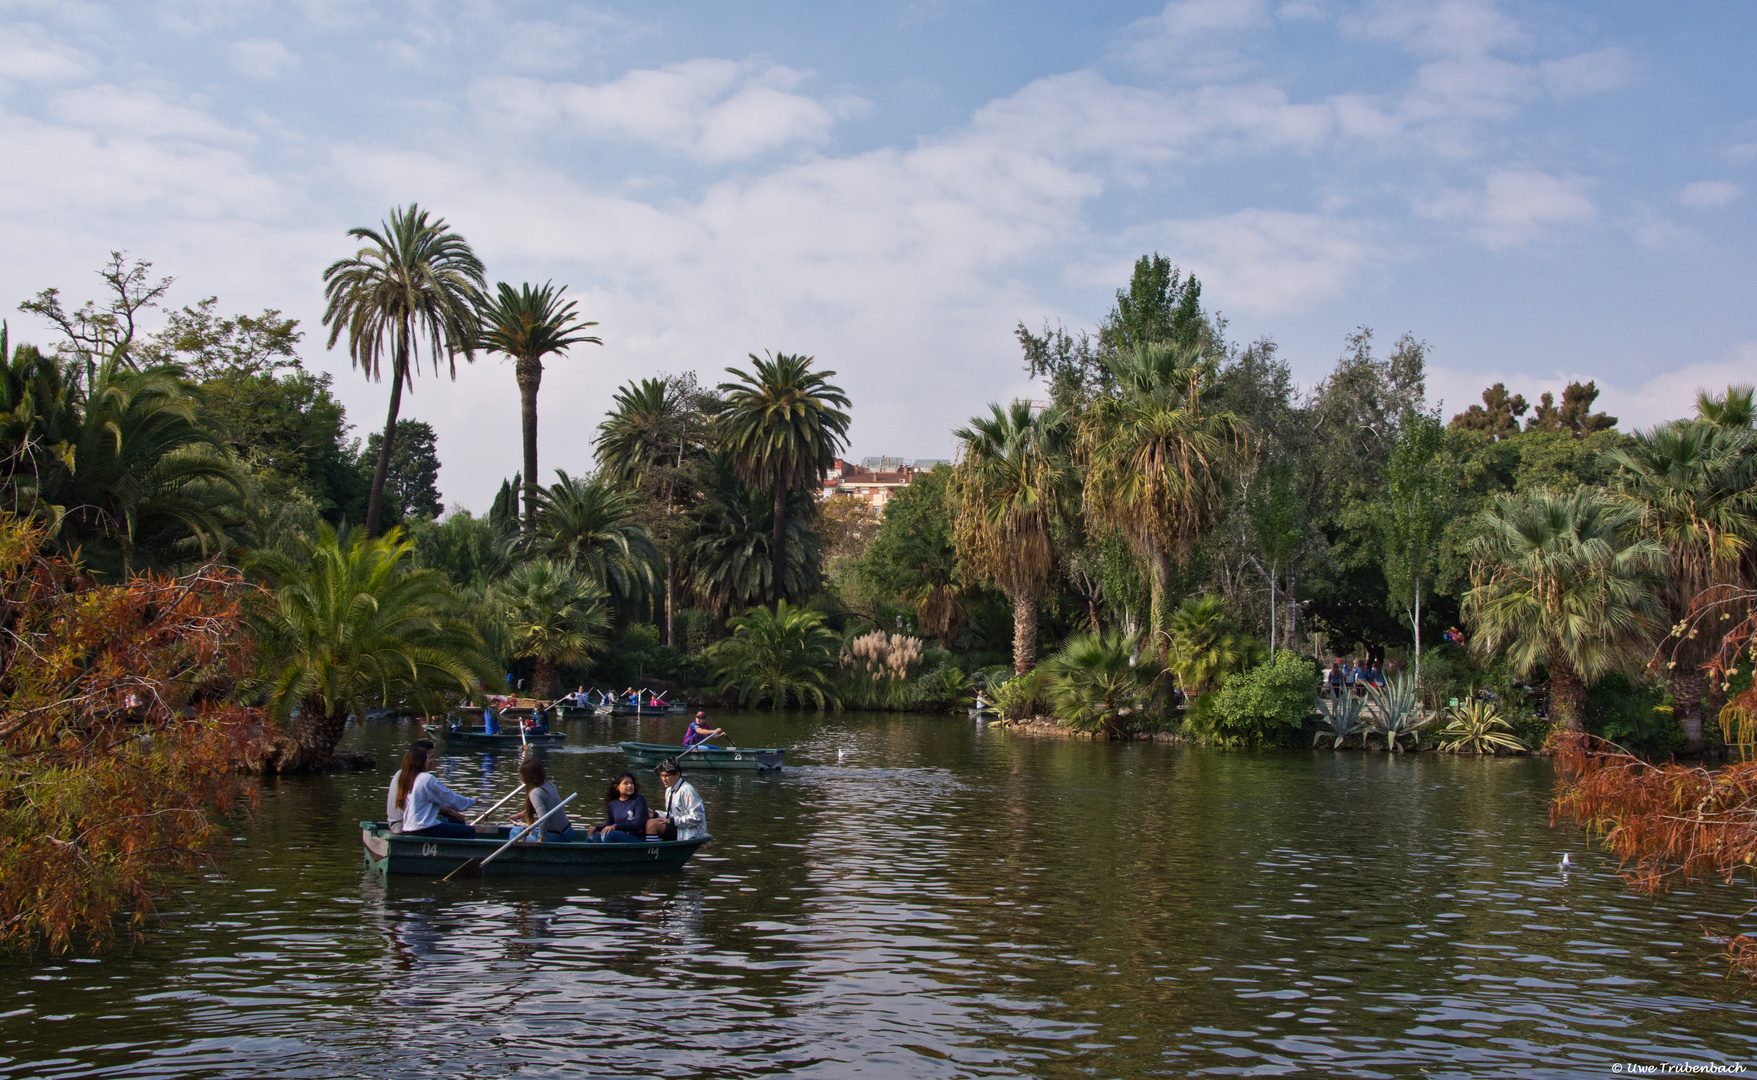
(429, 807)
(684, 818)
(540, 798)
(698, 731)
(625, 814)
(490, 725)
(393, 811)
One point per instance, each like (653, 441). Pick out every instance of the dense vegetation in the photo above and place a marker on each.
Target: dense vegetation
(1181, 535)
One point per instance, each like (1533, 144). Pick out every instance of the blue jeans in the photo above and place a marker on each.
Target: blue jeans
(565, 836)
(450, 829)
(611, 836)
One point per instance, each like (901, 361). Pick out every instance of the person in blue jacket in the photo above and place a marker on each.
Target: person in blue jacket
(625, 814)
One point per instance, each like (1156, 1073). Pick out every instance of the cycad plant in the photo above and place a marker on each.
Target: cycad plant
(1567, 581)
(551, 613)
(1007, 495)
(1094, 679)
(778, 656)
(782, 426)
(1477, 727)
(414, 283)
(353, 625)
(1396, 712)
(527, 324)
(1158, 458)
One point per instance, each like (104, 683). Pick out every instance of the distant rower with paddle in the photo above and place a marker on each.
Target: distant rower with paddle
(699, 732)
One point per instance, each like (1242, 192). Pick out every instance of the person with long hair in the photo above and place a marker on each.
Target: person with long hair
(540, 798)
(429, 807)
(625, 813)
(393, 810)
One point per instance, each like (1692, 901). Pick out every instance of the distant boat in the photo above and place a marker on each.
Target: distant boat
(664, 708)
(436, 856)
(459, 737)
(648, 755)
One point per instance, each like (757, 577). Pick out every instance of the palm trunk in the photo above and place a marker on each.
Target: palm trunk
(1567, 696)
(543, 686)
(1024, 634)
(1687, 685)
(1272, 569)
(1161, 575)
(375, 501)
(777, 580)
(530, 376)
(315, 734)
(670, 602)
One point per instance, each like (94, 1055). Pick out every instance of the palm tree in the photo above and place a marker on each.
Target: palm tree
(729, 557)
(1565, 580)
(777, 657)
(1157, 460)
(1695, 487)
(1094, 677)
(654, 429)
(593, 526)
(1206, 645)
(1006, 495)
(528, 324)
(782, 428)
(353, 625)
(1733, 409)
(416, 282)
(553, 614)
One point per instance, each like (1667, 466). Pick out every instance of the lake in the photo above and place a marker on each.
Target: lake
(921, 897)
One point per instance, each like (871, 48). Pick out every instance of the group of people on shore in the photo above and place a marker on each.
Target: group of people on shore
(1347, 677)
(419, 804)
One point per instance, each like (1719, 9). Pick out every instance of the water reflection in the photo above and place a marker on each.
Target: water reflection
(923, 897)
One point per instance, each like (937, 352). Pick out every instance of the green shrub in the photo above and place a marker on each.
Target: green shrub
(1093, 681)
(1632, 715)
(945, 689)
(1263, 706)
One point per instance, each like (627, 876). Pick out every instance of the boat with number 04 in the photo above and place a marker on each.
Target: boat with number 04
(436, 856)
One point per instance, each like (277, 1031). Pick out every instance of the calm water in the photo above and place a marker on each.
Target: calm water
(919, 898)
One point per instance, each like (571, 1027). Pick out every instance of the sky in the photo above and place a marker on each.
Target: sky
(1541, 191)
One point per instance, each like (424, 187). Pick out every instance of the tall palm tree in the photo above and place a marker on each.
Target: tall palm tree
(527, 324)
(729, 556)
(782, 427)
(353, 625)
(415, 283)
(594, 526)
(1695, 487)
(552, 613)
(1006, 495)
(1565, 580)
(1157, 459)
(648, 443)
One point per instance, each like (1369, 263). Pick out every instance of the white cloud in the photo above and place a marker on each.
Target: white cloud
(31, 54)
(140, 114)
(1263, 261)
(711, 110)
(261, 58)
(1437, 27)
(1663, 234)
(1515, 208)
(1710, 193)
(1587, 73)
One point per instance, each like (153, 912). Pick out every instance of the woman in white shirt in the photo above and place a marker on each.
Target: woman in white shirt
(685, 818)
(429, 807)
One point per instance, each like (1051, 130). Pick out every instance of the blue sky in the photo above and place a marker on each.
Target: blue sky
(1541, 191)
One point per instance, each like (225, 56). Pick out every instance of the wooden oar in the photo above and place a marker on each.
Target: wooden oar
(473, 869)
(499, 804)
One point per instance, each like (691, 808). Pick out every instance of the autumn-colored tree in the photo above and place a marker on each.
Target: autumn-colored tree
(118, 738)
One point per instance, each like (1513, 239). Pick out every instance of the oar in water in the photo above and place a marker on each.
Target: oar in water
(482, 816)
(473, 869)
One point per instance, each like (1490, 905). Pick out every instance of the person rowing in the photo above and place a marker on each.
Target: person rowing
(540, 798)
(698, 731)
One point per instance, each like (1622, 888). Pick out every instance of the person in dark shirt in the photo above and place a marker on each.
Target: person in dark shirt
(625, 814)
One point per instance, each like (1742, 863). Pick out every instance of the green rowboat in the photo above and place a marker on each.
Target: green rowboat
(508, 736)
(394, 853)
(648, 755)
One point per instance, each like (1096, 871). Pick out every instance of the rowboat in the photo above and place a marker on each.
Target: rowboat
(435, 856)
(460, 738)
(664, 709)
(705, 757)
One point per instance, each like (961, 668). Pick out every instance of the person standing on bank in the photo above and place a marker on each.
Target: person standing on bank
(685, 818)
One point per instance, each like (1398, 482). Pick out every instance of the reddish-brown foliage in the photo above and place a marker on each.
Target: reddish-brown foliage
(116, 738)
(1666, 823)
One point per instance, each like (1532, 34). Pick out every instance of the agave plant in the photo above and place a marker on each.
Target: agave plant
(1477, 727)
(1344, 714)
(1397, 712)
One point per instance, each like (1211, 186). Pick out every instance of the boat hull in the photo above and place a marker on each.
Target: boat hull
(394, 853)
(648, 710)
(471, 739)
(708, 758)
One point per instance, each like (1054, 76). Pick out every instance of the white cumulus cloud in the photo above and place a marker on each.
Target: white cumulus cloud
(1513, 209)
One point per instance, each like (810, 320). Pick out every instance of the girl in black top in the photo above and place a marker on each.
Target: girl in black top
(625, 813)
